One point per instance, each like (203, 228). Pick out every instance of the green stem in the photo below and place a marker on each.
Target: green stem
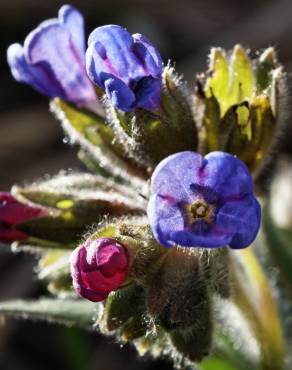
(253, 296)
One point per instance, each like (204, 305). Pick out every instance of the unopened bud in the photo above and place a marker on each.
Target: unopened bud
(98, 267)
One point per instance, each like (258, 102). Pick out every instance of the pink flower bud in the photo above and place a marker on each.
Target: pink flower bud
(13, 213)
(98, 267)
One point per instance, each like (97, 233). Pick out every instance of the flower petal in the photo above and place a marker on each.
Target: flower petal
(119, 94)
(174, 175)
(168, 226)
(70, 17)
(148, 92)
(148, 55)
(32, 75)
(50, 47)
(164, 217)
(112, 53)
(242, 219)
(227, 175)
(212, 237)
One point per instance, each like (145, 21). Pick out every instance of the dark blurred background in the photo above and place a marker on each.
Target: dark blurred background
(31, 142)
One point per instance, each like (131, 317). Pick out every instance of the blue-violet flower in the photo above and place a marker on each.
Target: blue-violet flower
(52, 59)
(203, 201)
(128, 67)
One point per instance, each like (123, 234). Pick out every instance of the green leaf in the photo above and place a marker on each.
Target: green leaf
(75, 202)
(241, 78)
(89, 124)
(68, 311)
(253, 296)
(211, 122)
(96, 137)
(231, 81)
(80, 192)
(215, 363)
(217, 84)
(267, 63)
(54, 263)
(149, 136)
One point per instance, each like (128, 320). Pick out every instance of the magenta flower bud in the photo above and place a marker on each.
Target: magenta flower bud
(14, 213)
(98, 267)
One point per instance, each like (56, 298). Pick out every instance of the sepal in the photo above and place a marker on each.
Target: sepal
(91, 132)
(148, 137)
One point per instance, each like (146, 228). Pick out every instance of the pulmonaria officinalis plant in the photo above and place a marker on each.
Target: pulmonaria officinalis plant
(173, 167)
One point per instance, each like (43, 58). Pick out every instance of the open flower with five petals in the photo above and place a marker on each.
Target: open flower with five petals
(203, 201)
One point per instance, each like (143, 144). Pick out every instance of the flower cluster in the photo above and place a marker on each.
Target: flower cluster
(174, 170)
(196, 201)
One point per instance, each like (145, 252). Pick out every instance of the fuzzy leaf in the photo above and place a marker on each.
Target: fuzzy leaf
(94, 136)
(254, 298)
(122, 305)
(217, 83)
(76, 201)
(148, 137)
(241, 78)
(267, 62)
(54, 263)
(68, 311)
(135, 327)
(211, 123)
(79, 191)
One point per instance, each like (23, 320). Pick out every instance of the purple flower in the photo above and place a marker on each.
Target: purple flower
(128, 67)
(13, 213)
(98, 267)
(203, 202)
(52, 59)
